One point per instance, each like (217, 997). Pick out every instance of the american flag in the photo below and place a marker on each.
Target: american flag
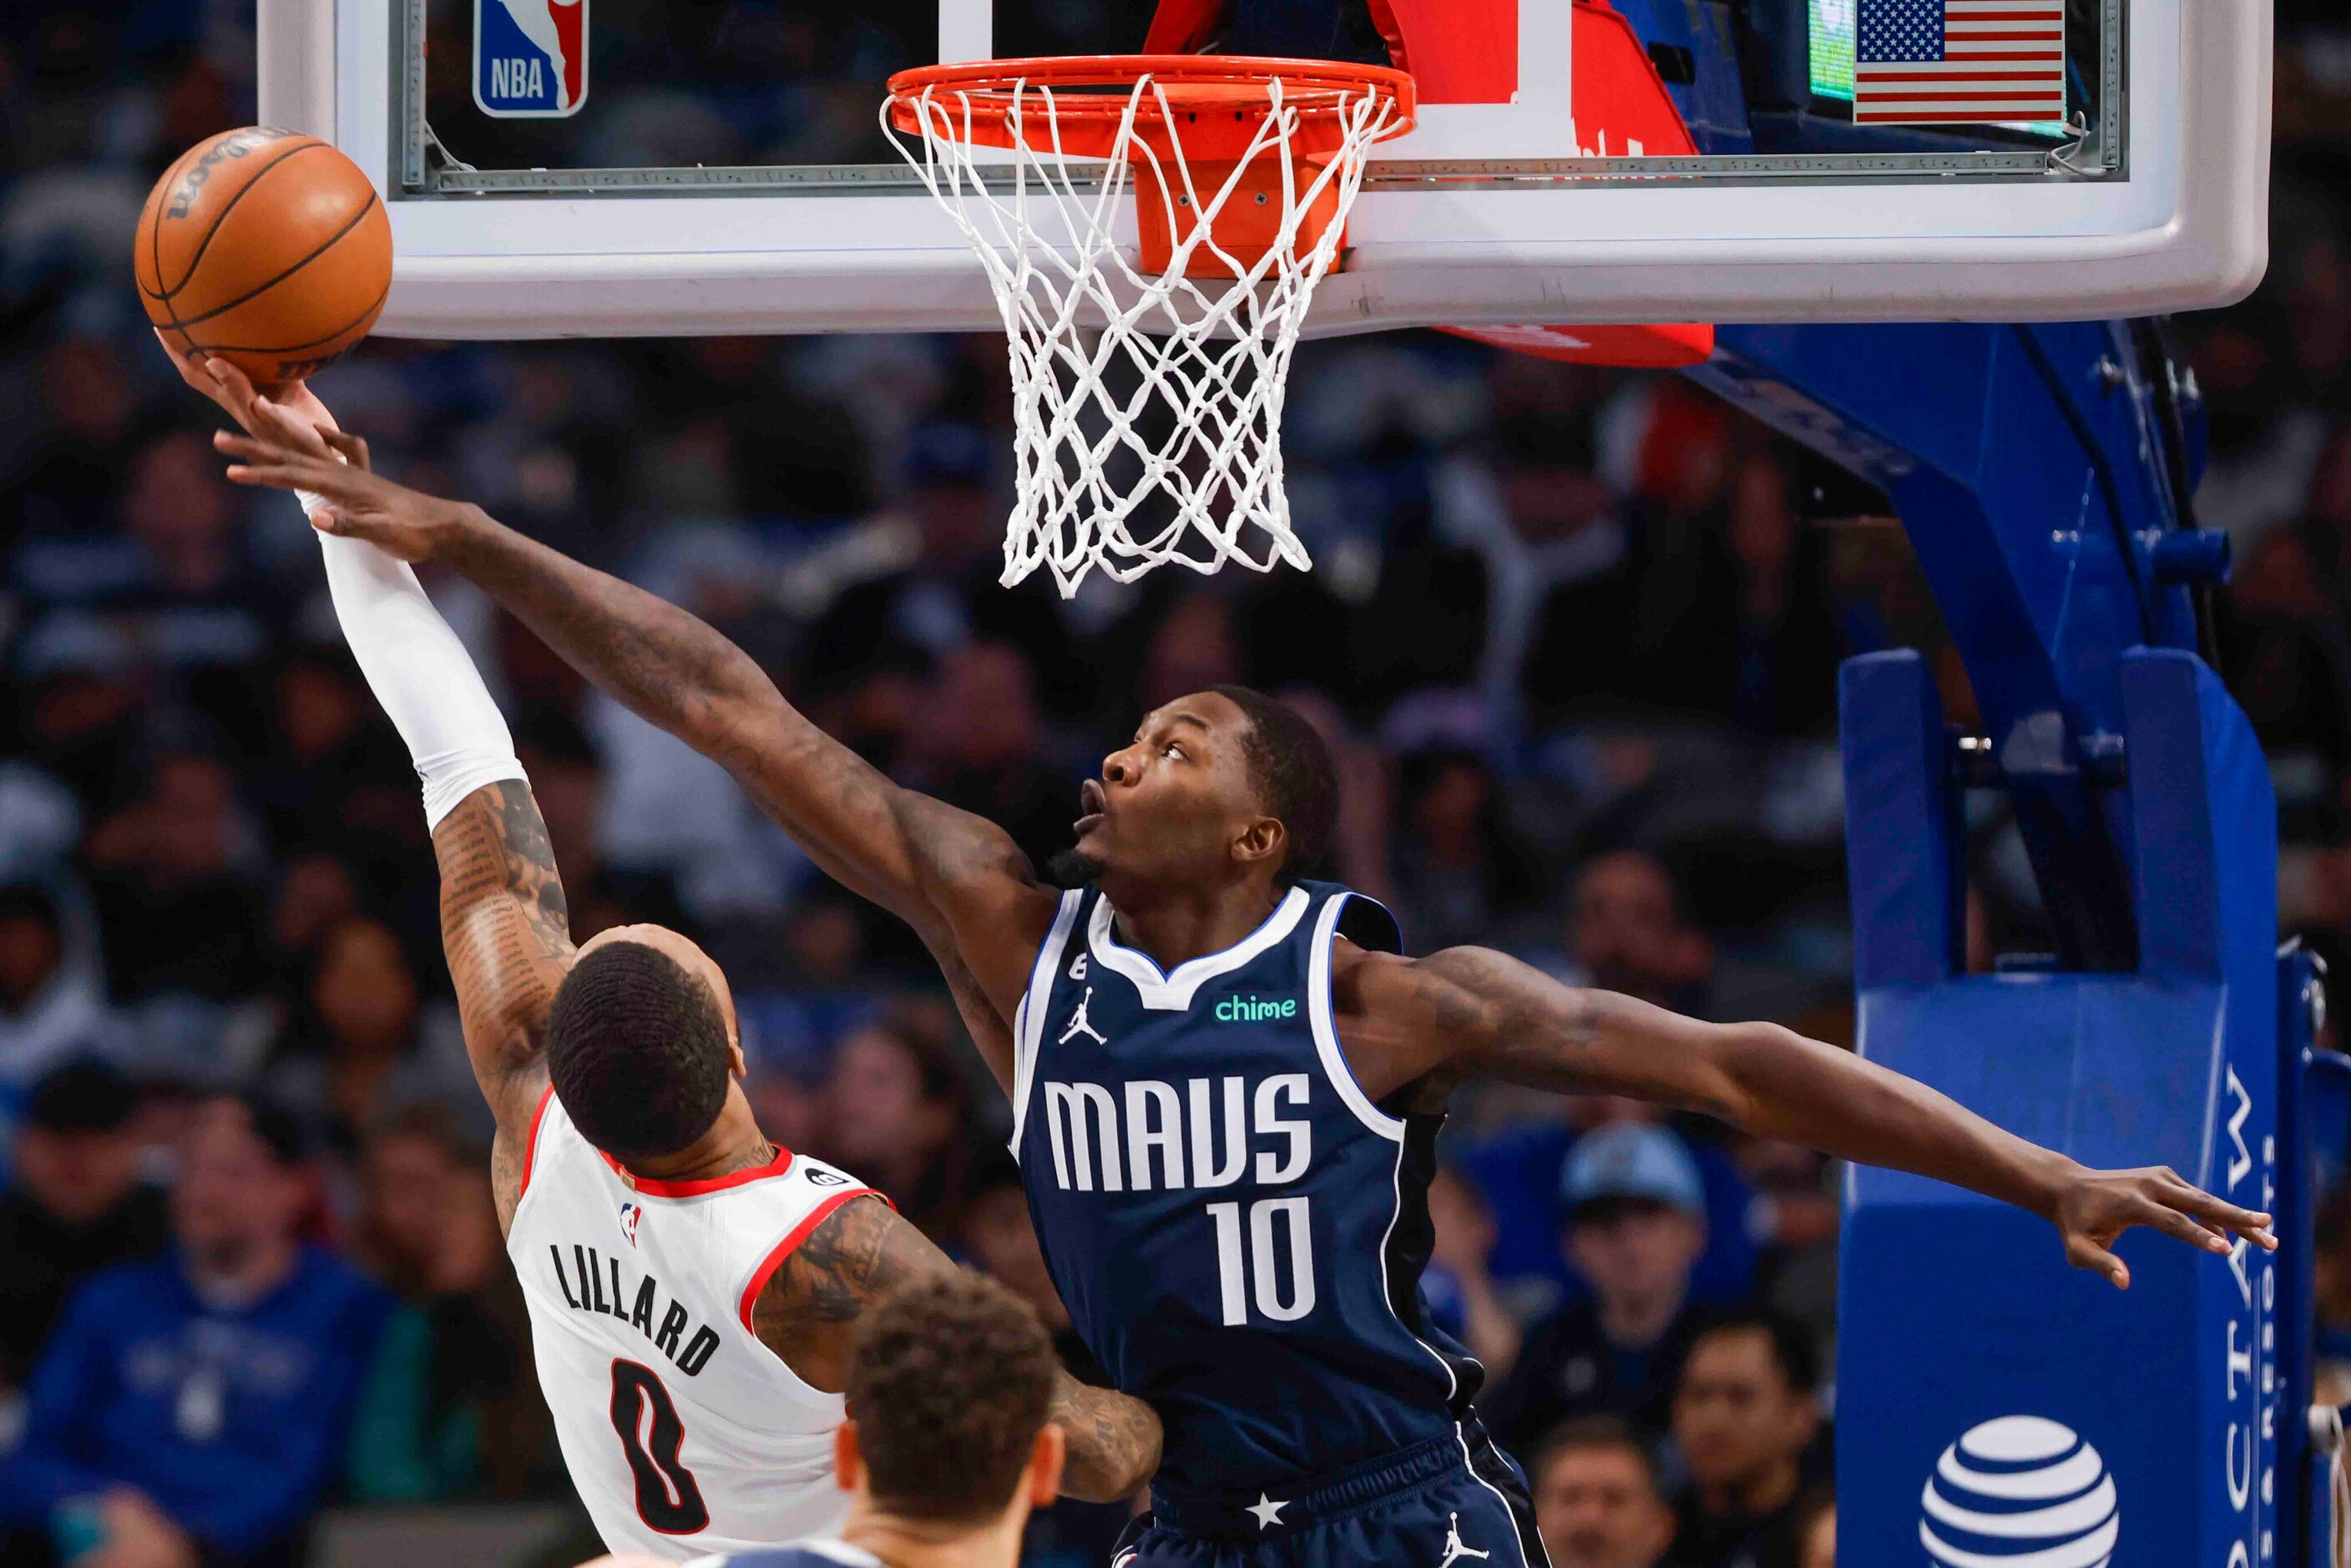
(1927, 62)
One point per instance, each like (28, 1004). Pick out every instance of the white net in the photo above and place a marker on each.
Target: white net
(1148, 403)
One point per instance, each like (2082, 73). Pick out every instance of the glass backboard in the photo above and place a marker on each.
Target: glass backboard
(616, 167)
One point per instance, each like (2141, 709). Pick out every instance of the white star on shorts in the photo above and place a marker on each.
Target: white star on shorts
(1268, 1511)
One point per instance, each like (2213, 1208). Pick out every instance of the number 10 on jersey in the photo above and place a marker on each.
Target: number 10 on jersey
(1248, 1268)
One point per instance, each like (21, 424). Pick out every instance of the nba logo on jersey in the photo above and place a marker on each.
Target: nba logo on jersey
(531, 57)
(630, 1214)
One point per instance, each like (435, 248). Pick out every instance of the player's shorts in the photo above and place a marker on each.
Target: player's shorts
(1453, 1502)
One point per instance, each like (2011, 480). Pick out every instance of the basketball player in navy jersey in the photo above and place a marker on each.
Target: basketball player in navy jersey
(948, 1443)
(1226, 1081)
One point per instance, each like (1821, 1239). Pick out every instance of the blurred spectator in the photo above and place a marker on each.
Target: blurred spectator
(66, 477)
(980, 745)
(1744, 1416)
(1636, 1224)
(51, 1009)
(1522, 1169)
(1597, 1503)
(171, 871)
(195, 1408)
(1460, 1293)
(343, 783)
(900, 1115)
(78, 1205)
(362, 1041)
(1733, 618)
(1627, 933)
(937, 591)
(451, 1408)
(1464, 872)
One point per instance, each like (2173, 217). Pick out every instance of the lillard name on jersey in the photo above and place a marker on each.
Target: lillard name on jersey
(684, 1434)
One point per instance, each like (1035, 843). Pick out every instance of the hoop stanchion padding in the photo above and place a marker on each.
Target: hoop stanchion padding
(1148, 364)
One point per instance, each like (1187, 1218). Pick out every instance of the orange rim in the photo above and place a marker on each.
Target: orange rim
(1216, 100)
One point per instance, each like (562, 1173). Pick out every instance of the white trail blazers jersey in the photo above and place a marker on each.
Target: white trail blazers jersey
(684, 1434)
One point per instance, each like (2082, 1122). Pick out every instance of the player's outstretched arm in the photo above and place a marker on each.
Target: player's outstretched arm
(1469, 1012)
(957, 879)
(504, 924)
(807, 1316)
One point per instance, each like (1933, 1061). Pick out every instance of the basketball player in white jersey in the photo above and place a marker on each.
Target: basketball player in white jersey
(947, 1447)
(693, 1288)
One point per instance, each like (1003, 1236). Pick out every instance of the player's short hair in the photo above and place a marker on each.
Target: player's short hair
(638, 1051)
(1596, 1434)
(1295, 777)
(1792, 1350)
(951, 1380)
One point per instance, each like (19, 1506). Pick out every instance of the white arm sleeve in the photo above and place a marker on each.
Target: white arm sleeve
(420, 673)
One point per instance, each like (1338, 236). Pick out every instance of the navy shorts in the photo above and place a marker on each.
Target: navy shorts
(1451, 1502)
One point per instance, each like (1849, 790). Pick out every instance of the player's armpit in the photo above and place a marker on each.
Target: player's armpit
(807, 1316)
(505, 929)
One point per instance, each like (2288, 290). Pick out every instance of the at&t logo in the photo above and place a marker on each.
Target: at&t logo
(2020, 1489)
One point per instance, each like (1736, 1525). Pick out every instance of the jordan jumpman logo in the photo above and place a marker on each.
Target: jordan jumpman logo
(1454, 1549)
(1079, 1024)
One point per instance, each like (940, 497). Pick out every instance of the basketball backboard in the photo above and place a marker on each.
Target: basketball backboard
(717, 168)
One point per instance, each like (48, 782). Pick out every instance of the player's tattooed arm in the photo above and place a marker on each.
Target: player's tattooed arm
(807, 1316)
(1468, 1011)
(1115, 1440)
(507, 931)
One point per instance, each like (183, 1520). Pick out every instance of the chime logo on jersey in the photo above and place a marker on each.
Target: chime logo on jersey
(531, 57)
(630, 1214)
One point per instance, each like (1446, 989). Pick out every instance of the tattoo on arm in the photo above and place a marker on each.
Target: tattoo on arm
(1114, 1441)
(807, 1316)
(505, 927)
(860, 1254)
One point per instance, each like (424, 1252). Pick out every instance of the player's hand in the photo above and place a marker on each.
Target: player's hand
(2094, 1208)
(361, 503)
(288, 412)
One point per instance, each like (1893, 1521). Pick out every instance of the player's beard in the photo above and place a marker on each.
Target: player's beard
(1073, 868)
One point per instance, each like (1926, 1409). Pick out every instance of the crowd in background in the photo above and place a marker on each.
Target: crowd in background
(1572, 633)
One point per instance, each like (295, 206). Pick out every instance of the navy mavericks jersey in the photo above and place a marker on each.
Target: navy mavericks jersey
(1238, 1231)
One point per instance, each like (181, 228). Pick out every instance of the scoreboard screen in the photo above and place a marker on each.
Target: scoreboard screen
(1831, 34)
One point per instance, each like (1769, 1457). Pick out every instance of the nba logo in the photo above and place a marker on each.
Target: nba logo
(630, 1214)
(531, 57)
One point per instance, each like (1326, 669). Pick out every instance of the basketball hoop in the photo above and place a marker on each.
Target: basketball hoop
(1147, 379)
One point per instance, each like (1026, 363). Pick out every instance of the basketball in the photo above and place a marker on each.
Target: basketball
(267, 247)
